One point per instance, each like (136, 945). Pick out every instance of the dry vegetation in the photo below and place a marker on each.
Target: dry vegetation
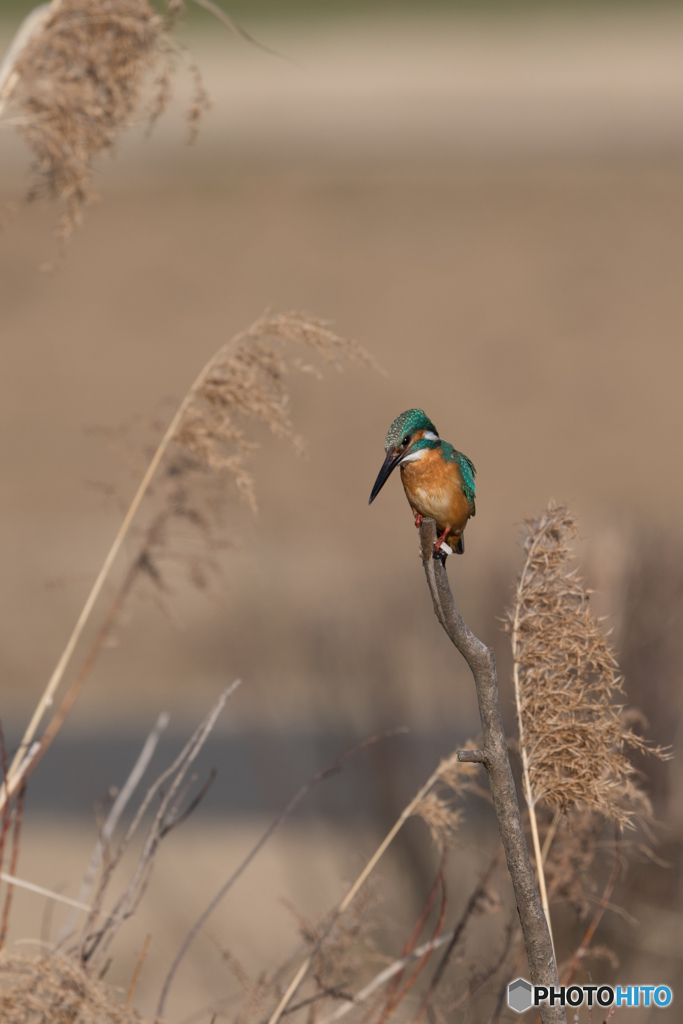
(341, 966)
(44, 986)
(80, 75)
(574, 734)
(573, 740)
(74, 85)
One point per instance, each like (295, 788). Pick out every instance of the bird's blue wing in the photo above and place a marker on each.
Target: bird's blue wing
(468, 471)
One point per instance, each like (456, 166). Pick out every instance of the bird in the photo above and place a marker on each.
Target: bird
(438, 479)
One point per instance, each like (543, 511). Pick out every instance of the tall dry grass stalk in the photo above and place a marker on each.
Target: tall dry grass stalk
(573, 734)
(76, 77)
(243, 383)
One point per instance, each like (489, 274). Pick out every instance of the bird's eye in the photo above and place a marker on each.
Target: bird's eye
(406, 440)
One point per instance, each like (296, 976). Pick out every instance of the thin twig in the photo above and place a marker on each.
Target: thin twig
(235, 27)
(109, 827)
(386, 975)
(18, 818)
(369, 867)
(502, 991)
(550, 835)
(470, 907)
(138, 969)
(296, 799)
(597, 917)
(177, 819)
(396, 995)
(127, 902)
(21, 883)
(476, 982)
(6, 811)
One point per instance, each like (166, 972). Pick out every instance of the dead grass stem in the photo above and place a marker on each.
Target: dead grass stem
(447, 766)
(573, 735)
(242, 383)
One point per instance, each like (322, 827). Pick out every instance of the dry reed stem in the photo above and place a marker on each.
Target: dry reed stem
(167, 814)
(407, 812)
(109, 827)
(597, 917)
(386, 975)
(21, 883)
(396, 995)
(572, 732)
(16, 835)
(243, 381)
(138, 969)
(303, 791)
(478, 894)
(572, 735)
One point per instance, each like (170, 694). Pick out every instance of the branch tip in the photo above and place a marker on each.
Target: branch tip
(476, 756)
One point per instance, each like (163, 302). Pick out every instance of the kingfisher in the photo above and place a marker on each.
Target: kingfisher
(437, 479)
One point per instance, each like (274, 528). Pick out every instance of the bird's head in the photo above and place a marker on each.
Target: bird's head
(408, 435)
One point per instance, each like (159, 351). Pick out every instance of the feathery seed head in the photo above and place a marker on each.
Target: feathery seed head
(78, 80)
(246, 381)
(573, 733)
(406, 424)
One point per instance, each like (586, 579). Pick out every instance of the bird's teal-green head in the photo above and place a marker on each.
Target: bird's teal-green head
(406, 426)
(407, 435)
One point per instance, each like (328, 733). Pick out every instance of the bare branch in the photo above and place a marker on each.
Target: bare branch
(482, 664)
(129, 899)
(475, 756)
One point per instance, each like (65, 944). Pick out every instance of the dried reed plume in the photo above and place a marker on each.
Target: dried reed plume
(243, 382)
(49, 987)
(436, 808)
(573, 734)
(76, 78)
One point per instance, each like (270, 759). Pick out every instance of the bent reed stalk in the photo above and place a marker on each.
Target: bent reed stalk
(407, 812)
(244, 379)
(9, 787)
(539, 854)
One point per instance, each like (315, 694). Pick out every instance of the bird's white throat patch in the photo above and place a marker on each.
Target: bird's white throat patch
(414, 456)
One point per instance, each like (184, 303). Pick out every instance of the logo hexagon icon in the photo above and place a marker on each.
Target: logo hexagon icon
(519, 995)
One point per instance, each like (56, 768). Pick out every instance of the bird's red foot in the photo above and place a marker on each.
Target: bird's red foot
(437, 545)
(418, 520)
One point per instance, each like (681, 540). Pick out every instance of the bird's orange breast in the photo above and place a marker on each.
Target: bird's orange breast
(433, 487)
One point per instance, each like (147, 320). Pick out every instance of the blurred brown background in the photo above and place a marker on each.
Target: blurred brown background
(494, 207)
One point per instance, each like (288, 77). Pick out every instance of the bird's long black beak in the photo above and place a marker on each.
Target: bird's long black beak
(390, 463)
